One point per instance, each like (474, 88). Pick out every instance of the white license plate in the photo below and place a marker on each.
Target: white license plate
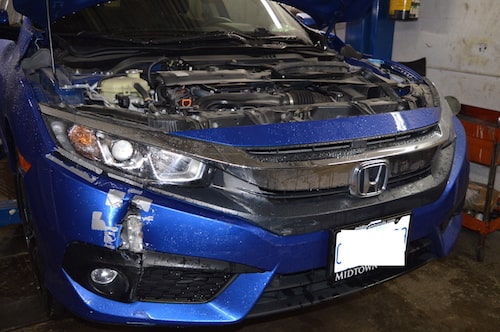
(379, 243)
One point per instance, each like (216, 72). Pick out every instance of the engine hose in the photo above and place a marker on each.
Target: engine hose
(144, 94)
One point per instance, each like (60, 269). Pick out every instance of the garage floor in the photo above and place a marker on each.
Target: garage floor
(453, 294)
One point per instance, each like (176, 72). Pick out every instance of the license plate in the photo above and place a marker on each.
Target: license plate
(378, 243)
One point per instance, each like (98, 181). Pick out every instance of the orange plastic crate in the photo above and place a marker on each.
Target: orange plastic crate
(483, 131)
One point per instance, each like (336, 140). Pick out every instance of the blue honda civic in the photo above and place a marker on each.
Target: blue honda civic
(184, 162)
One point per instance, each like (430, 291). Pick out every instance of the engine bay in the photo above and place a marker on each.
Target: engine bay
(177, 94)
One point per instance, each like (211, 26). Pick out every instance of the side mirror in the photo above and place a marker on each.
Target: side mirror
(4, 17)
(306, 19)
(454, 104)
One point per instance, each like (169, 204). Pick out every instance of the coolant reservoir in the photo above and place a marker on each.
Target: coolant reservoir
(123, 85)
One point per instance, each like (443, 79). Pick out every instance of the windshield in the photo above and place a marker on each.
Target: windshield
(150, 20)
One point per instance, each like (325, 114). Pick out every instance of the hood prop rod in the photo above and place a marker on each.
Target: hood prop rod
(51, 47)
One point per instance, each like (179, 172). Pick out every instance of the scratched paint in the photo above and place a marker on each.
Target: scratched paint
(115, 198)
(110, 233)
(142, 203)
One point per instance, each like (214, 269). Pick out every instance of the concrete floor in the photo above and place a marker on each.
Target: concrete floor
(453, 294)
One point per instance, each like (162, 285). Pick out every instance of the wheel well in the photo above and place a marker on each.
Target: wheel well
(10, 147)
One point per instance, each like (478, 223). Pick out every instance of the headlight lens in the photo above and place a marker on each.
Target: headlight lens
(446, 120)
(84, 141)
(172, 167)
(126, 157)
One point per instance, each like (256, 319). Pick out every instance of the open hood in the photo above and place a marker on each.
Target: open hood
(324, 12)
(330, 12)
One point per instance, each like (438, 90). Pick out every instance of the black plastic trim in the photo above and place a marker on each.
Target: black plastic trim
(81, 258)
(289, 215)
(294, 291)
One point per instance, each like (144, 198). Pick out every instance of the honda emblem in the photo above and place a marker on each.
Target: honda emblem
(370, 178)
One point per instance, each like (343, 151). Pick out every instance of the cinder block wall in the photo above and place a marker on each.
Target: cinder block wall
(461, 41)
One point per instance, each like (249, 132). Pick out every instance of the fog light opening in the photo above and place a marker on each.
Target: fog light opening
(109, 282)
(103, 276)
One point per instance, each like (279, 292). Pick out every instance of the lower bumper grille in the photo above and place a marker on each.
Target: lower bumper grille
(151, 276)
(160, 284)
(287, 292)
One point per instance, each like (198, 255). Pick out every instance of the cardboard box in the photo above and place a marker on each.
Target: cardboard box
(475, 197)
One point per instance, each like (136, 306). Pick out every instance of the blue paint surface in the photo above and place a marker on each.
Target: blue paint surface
(316, 132)
(9, 214)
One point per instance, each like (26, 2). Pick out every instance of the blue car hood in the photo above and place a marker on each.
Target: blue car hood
(324, 12)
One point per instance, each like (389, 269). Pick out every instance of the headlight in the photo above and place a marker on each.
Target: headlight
(125, 157)
(446, 119)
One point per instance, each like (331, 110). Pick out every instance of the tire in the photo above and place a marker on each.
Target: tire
(52, 308)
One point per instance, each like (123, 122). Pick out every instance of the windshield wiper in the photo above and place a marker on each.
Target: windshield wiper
(101, 37)
(255, 39)
(266, 35)
(258, 38)
(207, 36)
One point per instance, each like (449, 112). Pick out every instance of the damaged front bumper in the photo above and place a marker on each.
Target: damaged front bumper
(204, 267)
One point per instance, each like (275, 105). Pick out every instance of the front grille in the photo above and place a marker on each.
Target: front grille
(343, 148)
(325, 169)
(327, 178)
(404, 169)
(161, 284)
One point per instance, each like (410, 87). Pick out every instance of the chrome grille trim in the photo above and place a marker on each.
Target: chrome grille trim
(333, 170)
(320, 151)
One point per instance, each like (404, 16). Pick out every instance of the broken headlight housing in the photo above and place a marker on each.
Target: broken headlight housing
(127, 158)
